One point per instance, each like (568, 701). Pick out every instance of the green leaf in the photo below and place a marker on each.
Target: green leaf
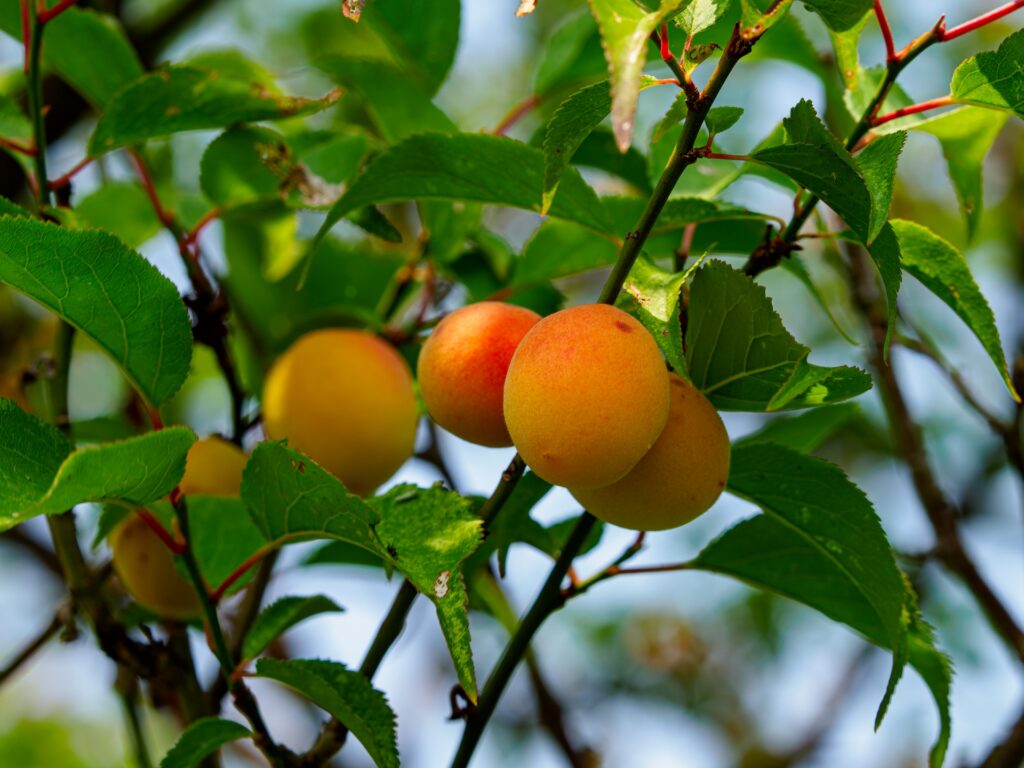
(398, 106)
(674, 116)
(42, 475)
(343, 553)
(755, 18)
(834, 519)
(253, 164)
(820, 543)
(280, 616)
(796, 267)
(515, 524)
(291, 498)
(877, 162)
(122, 208)
(966, 136)
(625, 32)
(861, 91)
(573, 121)
(96, 283)
(182, 98)
(474, 167)
(571, 56)
(96, 77)
(721, 119)
(739, 354)
(699, 15)
(845, 43)
(344, 694)
(840, 15)
(993, 79)
(428, 533)
(885, 252)
(598, 151)
(7, 208)
(14, 123)
(201, 739)
(223, 536)
(803, 432)
(945, 272)
(652, 295)
(423, 41)
(815, 160)
(560, 248)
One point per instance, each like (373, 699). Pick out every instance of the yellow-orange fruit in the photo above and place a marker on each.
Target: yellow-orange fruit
(679, 478)
(345, 399)
(145, 566)
(586, 396)
(462, 369)
(213, 468)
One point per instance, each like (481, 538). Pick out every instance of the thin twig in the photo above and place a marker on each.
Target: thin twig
(981, 21)
(913, 109)
(244, 701)
(60, 619)
(62, 181)
(883, 25)
(517, 113)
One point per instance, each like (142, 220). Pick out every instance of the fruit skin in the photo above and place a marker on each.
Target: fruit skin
(462, 369)
(344, 398)
(213, 468)
(586, 396)
(145, 567)
(679, 479)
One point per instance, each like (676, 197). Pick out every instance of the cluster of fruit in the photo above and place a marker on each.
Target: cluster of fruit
(583, 395)
(585, 398)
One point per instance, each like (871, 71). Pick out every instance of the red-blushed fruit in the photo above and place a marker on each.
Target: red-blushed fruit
(213, 468)
(679, 479)
(586, 396)
(345, 398)
(462, 369)
(145, 567)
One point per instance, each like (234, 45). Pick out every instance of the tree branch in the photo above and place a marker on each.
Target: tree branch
(941, 511)
(1009, 753)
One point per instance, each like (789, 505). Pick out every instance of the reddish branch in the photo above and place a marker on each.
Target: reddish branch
(62, 181)
(980, 21)
(517, 113)
(16, 146)
(176, 546)
(217, 593)
(883, 24)
(45, 15)
(913, 109)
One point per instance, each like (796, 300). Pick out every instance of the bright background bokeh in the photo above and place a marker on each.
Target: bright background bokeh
(683, 670)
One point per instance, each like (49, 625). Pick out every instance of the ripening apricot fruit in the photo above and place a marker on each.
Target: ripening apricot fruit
(586, 396)
(145, 567)
(679, 478)
(344, 398)
(462, 369)
(214, 468)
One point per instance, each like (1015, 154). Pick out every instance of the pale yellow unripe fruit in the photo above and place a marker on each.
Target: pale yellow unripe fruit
(213, 468)
(679, 478)
(145, 567)
(345, 398)
(586, 396)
